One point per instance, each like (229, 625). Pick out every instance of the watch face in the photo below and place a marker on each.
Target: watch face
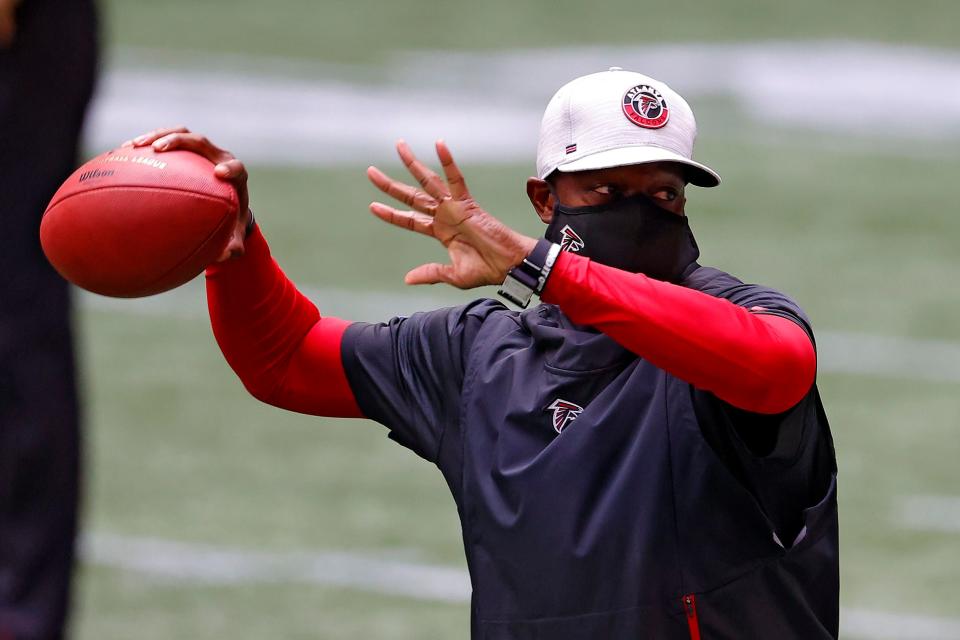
(516, 291)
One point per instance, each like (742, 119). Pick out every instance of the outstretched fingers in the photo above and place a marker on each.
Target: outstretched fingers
(410, 220)
(430, 181)
(455, 181)
(410, 196)
(432, 273)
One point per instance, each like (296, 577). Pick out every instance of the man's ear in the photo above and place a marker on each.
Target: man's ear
(542, 198)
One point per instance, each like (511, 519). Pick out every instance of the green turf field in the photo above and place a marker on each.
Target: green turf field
(372, 30)
(177, 450)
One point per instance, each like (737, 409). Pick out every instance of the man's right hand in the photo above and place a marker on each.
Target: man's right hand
(227, 168)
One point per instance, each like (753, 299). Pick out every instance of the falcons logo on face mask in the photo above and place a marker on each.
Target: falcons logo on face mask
(569, 240)
(564, 413)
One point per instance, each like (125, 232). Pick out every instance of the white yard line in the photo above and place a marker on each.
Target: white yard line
(928, 513)
(888, 356)
(838, 351)
(180, 562)
(216, 565)
(882, 625)
(488, 105)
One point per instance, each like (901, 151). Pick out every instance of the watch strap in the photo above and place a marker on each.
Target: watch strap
(530, 276)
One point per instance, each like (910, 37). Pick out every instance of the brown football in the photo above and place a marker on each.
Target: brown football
(132, 222)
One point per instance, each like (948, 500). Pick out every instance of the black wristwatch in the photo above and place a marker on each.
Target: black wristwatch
(530, 276)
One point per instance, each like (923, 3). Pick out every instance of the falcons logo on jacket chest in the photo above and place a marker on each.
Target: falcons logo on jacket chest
(564, 412)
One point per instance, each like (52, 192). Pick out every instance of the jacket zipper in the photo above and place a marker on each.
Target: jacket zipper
(690, 607)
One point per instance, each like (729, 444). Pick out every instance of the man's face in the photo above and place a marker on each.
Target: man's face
(663, 182)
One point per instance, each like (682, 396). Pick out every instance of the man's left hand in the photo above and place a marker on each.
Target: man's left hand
(482, 249)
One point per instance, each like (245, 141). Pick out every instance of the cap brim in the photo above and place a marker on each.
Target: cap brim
(698, 174)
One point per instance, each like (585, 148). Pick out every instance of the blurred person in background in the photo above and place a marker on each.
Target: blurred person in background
(48, 59)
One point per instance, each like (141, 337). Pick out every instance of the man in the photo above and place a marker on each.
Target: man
(48, 58)
(644, 456)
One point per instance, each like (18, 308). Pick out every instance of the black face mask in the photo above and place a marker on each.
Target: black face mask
(633, 234)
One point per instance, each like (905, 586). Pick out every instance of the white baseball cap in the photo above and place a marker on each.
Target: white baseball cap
(616, 118)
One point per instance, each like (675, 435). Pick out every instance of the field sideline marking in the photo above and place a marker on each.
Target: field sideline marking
(322, 115)
(928, 513)
(217, 565)
(838, 351)
(180, 562)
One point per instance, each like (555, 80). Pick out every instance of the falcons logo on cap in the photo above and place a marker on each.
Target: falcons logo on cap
(645, 107)
(569, 240)
(564, 412)
(649, 106)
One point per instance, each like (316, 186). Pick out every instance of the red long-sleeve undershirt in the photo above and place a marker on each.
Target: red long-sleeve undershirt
(274, 338)
(755, 361)
(287, 355)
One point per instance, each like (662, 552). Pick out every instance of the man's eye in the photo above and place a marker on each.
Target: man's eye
(666, 194)
(604, 189)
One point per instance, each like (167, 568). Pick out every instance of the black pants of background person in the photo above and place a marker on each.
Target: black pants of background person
(46, 79)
